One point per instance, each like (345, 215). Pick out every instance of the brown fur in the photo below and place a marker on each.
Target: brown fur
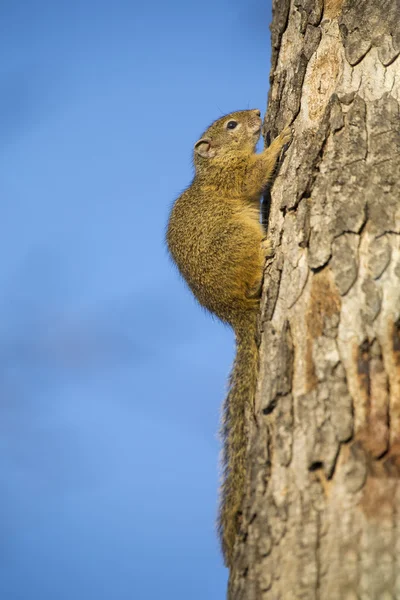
(217, 241)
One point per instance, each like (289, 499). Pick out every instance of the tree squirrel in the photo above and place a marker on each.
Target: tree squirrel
(216, 239)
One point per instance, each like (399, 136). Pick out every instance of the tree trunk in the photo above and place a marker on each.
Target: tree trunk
(321, 516)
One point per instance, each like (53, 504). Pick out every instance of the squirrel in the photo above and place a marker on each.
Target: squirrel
(219, 245)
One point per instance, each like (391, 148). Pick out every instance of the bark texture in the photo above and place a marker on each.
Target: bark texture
(321, 516)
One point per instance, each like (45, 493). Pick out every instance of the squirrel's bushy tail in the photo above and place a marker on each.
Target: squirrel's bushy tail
(238, 404)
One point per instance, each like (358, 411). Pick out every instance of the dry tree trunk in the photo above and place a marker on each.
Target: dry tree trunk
(321, 516)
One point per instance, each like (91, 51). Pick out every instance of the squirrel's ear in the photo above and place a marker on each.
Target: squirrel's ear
(203, 148)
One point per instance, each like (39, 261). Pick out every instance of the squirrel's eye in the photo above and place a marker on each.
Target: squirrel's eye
(231, 124)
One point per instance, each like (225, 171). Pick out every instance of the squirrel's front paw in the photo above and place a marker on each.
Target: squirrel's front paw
(286, 135)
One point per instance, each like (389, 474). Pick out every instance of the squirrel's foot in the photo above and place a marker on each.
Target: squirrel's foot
(268, 248)
(254, 292)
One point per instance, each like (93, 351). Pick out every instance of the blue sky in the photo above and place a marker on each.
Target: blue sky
(111, 376)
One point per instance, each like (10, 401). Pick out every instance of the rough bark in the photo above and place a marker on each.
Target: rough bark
(321, 516)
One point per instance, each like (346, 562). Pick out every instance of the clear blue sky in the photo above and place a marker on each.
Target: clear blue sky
(111, 376)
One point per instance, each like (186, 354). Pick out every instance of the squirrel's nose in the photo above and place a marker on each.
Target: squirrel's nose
(258, 112)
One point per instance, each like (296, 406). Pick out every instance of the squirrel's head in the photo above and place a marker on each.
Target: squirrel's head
(237, 132)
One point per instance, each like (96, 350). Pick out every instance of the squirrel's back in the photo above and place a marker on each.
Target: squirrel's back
(203, 235)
